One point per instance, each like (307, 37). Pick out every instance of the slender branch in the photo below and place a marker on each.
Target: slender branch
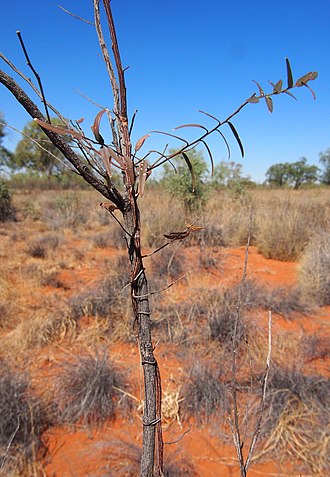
(76, 16)
(162, 289)
(28, 62)
(262, 396)
(29, 82)
(115, 49)
(38, 144)
(106, 57)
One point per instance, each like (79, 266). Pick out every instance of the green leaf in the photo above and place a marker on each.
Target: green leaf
(269, 103)
(278, 86)
(253, 99)
(191, 169)
(261, 91)
(289, 73)
(235, 133)
(312, 75)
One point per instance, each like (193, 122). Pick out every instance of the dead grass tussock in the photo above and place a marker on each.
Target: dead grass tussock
(39, 331)
(314, 275)
(23, 419)
(296, 418)
(86, 389)
(205, 393)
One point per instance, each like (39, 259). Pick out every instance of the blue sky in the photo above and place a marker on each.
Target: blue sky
(184, 56)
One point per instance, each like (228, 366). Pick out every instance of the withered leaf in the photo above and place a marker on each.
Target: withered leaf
(289, 73)
(79, 121)
(190, 125)
(140, 142)
(143, 174)
(194, 228)
(105, 156)
(96, 127)
(59, 129)
(269, 102)
(177, 235)
(109, 206)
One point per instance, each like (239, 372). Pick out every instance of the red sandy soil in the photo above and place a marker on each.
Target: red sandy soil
(73, 452)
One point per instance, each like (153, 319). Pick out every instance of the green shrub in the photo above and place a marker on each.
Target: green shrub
(7, 210)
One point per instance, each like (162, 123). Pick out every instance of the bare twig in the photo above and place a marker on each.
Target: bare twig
(162, 289)
(76, 16)
(28, 62)
(262, 396)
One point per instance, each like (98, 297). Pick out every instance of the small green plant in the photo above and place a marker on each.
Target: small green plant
(7, 210)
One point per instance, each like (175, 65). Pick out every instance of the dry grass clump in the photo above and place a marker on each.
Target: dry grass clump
(167, 263)
(285, 225)
(87, 390)
(315, 347)
(296, 417)
(205, 393)
(114, 237)
(69, 210)
(314, 271)
(40, 248)
(106, 299)
(123, 460)
(23, 419)
(38, 331)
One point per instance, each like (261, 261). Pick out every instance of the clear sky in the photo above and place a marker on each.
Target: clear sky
(184, 55)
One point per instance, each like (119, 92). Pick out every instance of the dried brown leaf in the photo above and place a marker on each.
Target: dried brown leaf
(140, 142)
(59, 129)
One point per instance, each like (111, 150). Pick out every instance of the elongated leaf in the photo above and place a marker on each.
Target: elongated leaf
(312, 75)
(310, 89)
(143, 176)
(239, 142)
(96, 127)
(253, 99)
(194, 228)
(269, 103)
(192, 125)
(59, 129)
(79, 121)
(225, 141)
(290, 94)
(191, 169)
(210, 156)
(140, 142)
(105, 156)
(289, 73)
(177, 235)
(261, 91)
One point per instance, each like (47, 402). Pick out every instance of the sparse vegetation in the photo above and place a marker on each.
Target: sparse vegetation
(205, 393)
(87, 390)
(23, 421)
(314, 271)
(7, 210)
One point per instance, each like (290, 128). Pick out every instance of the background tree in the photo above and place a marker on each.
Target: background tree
(5, 155)
(178, 180)
(325, 164)
(28, 155)
(292, 174)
